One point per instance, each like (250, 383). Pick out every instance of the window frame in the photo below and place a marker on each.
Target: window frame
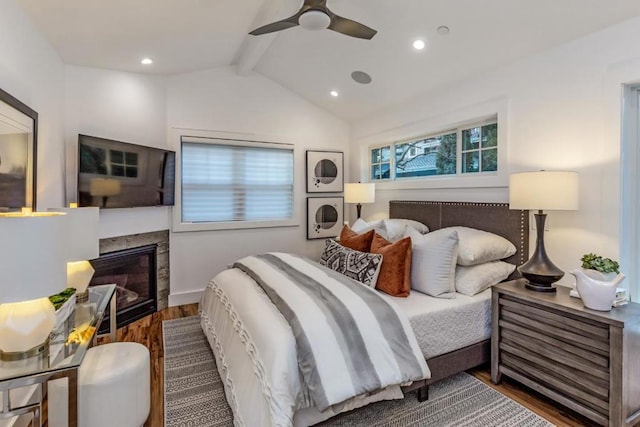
(497, 114)
(229, 139)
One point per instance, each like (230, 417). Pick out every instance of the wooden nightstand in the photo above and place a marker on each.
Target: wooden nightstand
(586, 360)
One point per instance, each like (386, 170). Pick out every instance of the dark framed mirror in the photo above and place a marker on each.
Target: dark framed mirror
(18, 154)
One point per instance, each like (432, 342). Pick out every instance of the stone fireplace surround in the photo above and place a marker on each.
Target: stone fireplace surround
(161, 238)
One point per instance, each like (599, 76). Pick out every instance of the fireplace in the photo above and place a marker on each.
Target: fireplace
(133, 271)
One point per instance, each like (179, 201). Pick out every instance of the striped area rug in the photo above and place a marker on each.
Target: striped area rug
(194, 394)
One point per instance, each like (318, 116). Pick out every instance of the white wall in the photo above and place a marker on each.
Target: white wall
(246, 107)
(562, 112)
(141, 109)
(31, 71)
(122, 106)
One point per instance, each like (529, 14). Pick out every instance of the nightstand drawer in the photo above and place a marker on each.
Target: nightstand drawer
(590, 336)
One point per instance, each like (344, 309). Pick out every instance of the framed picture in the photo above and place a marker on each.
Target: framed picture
(324, 217)
(18, 142)
(325, 171)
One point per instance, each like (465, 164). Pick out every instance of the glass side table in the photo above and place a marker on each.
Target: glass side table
(68, 345)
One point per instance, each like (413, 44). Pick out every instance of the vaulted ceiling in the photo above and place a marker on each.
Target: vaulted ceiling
(189, 35)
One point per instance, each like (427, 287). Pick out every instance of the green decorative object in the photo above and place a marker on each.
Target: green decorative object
(596, 262)
(60, 298)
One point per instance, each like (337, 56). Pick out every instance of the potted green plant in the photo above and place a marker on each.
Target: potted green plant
(596, 263)
(597, 281)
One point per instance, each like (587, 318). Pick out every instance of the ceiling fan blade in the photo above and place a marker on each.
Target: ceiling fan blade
(277, 26)
(350, 28)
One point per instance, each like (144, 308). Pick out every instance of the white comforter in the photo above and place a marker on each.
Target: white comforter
(256, 355)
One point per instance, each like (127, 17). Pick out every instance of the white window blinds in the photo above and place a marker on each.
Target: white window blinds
(228, 180)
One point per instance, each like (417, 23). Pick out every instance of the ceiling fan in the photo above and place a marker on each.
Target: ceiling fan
(315, 15)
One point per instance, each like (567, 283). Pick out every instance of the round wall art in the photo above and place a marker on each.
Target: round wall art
(324, 217)
(324, 171)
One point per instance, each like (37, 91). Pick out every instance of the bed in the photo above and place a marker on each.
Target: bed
(248, 334)
(493, 217)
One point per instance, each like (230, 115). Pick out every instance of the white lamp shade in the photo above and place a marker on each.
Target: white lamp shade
(83, 233)
(314, 20)
(544, 190)
(360, 193)
(32, 256)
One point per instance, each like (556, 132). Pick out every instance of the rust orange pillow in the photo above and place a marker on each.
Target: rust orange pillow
(355, 241)
(395, 272)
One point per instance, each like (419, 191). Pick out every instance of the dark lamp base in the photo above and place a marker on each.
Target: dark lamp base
(540, 288)
(539, 271)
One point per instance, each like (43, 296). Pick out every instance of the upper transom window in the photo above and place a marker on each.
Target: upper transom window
(467, 149)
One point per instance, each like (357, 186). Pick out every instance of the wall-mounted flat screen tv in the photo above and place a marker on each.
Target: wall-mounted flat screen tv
(114, 174)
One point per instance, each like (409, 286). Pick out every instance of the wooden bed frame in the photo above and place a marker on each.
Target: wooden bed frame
(494, 217)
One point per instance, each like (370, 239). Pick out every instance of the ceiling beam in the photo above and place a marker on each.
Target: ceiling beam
(253, 47)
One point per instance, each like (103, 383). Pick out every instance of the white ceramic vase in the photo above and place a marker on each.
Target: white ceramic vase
(597, 290)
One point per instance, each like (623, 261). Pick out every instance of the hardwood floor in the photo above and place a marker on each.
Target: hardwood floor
(148, 331)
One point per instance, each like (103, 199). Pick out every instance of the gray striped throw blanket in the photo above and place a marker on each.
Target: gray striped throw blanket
(349, 340)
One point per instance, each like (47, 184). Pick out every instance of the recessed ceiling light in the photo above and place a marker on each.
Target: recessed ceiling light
(334, 93)
(418, 44)
(443, 30)
(146, 61)
(361, 77)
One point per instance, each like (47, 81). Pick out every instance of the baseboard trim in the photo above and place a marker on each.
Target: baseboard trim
(182, 298)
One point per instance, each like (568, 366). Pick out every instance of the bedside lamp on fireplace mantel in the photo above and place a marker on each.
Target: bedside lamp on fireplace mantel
(32, 267)
(83, 244)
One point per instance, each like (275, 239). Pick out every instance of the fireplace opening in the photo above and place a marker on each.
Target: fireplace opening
(133, 271)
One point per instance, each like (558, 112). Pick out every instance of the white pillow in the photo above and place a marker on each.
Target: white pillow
(476, 278)
(477, 246)
(396, 226)
(361, 226)
(362, 267)
(433, 262)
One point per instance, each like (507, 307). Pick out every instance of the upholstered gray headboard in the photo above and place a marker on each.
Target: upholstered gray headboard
(494, 217)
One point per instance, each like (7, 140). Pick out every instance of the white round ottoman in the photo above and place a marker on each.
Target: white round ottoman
(113, 388)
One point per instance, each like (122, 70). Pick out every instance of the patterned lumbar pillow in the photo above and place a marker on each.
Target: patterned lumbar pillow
(360, 266)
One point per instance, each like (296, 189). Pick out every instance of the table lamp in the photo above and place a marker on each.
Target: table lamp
(359, 193)
(82, 240)
(542, 190)
(32, 266)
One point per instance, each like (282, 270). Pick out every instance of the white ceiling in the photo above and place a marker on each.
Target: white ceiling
(189, 35)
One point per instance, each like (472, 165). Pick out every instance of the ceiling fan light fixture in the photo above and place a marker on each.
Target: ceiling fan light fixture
(314, 20)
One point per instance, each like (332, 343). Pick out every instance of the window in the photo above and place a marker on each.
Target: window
(480, 149)
(430, 156)
(235, 181)
(440, 154)
(381, 162)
